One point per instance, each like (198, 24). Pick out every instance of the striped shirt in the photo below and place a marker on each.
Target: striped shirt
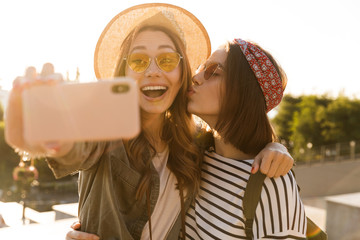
(217, 212)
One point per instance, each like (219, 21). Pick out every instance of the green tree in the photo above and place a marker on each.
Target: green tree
(8, 160)
(308, 121)
(306, 126)
(1, 113)
(341, 120)
(283, 120)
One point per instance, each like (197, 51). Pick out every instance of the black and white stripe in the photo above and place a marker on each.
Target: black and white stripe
(217, 212)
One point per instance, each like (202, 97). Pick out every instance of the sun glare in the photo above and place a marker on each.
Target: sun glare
(311, 49)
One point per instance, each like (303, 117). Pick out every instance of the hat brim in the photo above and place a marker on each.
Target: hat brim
(107, 51)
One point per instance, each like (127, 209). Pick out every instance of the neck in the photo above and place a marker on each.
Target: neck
(152, 124)
(225, 149)
(228, 150)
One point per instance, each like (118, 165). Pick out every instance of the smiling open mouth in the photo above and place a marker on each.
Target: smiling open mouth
(154, 91)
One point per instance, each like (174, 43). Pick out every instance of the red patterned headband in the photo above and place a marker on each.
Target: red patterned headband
(265, 72)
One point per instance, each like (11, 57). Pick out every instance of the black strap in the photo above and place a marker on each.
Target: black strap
(149, 209)
(182, 210)
(251, 199)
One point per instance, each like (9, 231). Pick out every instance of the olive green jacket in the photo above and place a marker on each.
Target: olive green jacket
(107, 188)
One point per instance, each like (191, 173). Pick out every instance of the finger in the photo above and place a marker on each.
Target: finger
(68, 236)
(266, 162)
(13, 120)
(287, 166)
(77, 235)
(76, 225)
(280, 170)
(275, 163)
(281, 165)
(256, 164)
(52, 147)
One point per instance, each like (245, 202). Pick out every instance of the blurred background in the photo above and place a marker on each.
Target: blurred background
(316, 42)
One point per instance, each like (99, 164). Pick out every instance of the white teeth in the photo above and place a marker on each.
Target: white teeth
(153, 88)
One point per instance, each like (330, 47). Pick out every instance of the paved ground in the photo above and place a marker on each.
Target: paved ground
(316, 182)
(51, 231)
(331, 178)
(56, 230)
(46, 228)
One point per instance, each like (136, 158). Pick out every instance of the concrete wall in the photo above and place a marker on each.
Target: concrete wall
(331, 178)
(343, 217)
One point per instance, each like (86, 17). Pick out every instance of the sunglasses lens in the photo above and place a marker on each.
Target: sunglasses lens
(210, 70)
(138, 62)
(168, 61)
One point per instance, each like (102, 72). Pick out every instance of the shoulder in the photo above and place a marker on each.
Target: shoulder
(280, 211)
(285, 183)
(280, 193)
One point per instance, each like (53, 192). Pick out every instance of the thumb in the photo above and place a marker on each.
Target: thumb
(76, 225)
(256, 164)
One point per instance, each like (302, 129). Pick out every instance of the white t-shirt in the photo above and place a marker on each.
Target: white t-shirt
(218, 209)
(167, 207)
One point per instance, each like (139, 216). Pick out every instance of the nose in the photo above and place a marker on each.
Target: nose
(153, 69)
(197, 79)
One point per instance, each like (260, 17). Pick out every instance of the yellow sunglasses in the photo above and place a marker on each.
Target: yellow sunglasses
(139, 62)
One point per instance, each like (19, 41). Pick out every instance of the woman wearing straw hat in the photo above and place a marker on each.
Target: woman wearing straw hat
(122, 183)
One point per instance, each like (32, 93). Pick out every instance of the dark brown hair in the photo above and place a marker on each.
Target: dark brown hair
(177, 132)
(243, 121)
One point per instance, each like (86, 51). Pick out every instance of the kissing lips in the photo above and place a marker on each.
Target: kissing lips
(190, 91)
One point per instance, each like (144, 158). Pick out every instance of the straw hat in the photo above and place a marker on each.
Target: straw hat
(177, 19)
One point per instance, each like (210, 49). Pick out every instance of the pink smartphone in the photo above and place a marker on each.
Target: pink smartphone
(94, 111)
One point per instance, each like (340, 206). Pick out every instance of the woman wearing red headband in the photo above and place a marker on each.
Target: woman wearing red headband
(232, 92)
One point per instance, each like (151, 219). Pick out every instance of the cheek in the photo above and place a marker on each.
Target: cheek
(213, 98)
(175, 78)
(131, 74)
(216, 92)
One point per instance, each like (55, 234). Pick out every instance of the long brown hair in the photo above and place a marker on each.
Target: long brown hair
(243, 121)
(178, 128)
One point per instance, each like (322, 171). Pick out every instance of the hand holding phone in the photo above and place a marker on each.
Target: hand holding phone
(96, 111)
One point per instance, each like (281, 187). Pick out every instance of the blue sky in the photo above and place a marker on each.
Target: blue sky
(315, 41)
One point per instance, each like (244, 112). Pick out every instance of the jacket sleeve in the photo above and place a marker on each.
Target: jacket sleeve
(82, 156)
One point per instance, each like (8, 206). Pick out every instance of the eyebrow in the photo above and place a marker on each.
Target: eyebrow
(160, 47)
(166, 46)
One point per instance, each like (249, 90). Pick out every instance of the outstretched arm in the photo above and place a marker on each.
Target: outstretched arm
(14, 132)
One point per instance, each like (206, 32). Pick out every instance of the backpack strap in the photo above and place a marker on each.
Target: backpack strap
(251, 199)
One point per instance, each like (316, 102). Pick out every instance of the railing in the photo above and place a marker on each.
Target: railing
(333, 152)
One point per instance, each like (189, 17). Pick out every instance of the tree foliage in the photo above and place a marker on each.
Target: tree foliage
(1, 113)
(317, 120)
(8, 160)
(283, 119)
(342, 120)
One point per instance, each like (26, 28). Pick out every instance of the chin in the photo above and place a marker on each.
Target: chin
(194, 111)
(154, 109)
(190, 108)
